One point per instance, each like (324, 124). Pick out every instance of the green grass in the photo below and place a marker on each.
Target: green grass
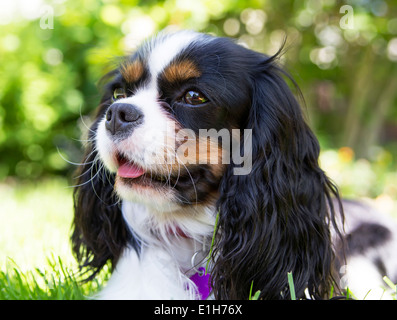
(35, 222)
(36, 262)
(55, 282)
(291, 285)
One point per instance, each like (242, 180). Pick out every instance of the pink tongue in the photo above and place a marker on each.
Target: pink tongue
(128, 170)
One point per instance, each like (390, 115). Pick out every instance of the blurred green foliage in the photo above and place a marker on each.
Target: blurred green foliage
(48, 76)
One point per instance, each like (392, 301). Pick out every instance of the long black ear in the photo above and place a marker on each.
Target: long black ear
(99, 230)
(277, 218)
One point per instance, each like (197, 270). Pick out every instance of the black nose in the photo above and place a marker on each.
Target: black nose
(122, 118)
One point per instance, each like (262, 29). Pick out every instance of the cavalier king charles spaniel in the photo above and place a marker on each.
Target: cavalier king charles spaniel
(201, 180)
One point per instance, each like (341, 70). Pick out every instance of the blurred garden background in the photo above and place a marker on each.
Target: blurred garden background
(343, 55)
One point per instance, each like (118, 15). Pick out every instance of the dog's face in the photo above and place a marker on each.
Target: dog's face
(159, 105)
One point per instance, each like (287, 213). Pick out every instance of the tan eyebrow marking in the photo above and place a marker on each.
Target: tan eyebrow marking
(181, 71)
(132, 71)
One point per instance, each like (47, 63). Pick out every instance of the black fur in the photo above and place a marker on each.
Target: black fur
(366, 236)
(276, 219)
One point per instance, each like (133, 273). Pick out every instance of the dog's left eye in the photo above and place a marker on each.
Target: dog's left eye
(194, 98)
(119, 93)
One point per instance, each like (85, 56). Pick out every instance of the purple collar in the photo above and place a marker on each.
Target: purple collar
(202, 281)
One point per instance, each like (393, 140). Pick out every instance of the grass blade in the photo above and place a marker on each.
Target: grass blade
(390, 283)
(212, 243)
(291, 286)
(250, 295)
(256, 295)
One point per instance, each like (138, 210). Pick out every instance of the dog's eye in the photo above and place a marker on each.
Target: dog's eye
(119, 93)
(194, 98)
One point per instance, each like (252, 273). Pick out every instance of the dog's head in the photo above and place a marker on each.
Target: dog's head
(193, 121)
(162, 118)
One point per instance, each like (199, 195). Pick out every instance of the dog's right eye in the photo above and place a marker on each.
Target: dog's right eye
(194, 98)
(119, 93)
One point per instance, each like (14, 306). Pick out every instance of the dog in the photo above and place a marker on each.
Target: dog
(200, 180)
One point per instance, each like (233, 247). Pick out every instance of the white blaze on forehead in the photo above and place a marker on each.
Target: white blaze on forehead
(166, 48)
(147, 142)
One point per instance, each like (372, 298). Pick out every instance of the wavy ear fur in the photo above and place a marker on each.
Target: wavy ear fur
(99, 230)
(277, 218)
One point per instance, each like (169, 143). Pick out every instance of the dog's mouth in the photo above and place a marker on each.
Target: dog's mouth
(134, 174)
(127, 169)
